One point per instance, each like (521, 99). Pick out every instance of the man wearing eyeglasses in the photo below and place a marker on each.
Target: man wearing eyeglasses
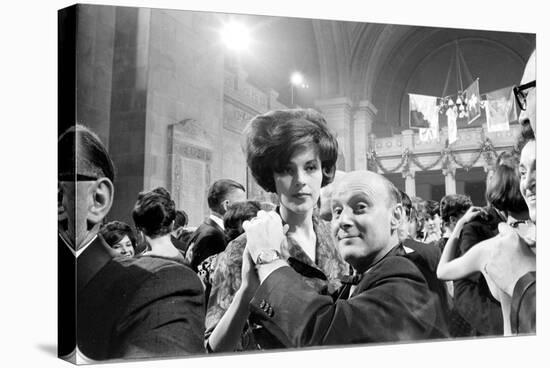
(512, 266)
(117, 307)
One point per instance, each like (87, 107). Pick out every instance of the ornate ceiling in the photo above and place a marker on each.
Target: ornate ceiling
(380, 63)
(383, 63)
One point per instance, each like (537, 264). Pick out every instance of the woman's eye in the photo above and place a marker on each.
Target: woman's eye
(311, 168)
(336, 211)
(360, 207)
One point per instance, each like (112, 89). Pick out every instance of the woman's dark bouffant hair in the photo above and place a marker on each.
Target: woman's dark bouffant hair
(154, 212)
(272, 138)
(503, 190)
(236, 214)
(114, 231)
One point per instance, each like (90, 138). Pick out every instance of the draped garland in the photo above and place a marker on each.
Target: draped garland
(447, 157)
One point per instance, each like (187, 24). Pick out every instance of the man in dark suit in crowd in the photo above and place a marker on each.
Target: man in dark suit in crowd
(425, 256)
(390, 299)
(125, 307)
(209, 238)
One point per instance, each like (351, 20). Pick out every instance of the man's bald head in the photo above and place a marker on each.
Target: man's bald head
(358, 178)
(366, 212)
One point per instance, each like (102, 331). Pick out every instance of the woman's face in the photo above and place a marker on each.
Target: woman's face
(528, 177)
(299, 184)
(124, 247)
(433, 224)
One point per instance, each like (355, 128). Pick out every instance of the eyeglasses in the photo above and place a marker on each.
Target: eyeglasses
(521, 96)
(75, 177)
(517, 223)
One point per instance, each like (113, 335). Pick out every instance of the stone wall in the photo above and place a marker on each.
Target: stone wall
(153, 84)
(94, 59)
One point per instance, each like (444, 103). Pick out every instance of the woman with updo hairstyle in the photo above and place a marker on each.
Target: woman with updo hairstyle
(293, 154)
(236, 214)
(154, 215)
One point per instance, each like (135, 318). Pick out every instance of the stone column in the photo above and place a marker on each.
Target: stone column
(363, 120)
(408, 143)
(410, 183)
(450, 182)
(129, 107)
(337, 112)
(408, 139)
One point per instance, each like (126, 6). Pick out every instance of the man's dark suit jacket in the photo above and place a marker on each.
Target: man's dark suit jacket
(472, 297)
(391, 303)
(137, 307)
(426, 257)
(207, 240)
(523, 314)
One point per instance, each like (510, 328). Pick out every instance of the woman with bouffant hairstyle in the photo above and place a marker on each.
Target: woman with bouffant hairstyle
(272, 139)
(154, 215)
(291, 153)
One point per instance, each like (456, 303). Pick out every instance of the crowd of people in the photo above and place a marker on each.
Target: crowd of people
(340, 258)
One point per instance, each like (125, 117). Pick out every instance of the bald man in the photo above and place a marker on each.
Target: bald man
(387, 300)
(512, 265)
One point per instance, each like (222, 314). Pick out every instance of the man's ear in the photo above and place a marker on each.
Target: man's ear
(101, 195)
(397, 216)
(225, 205)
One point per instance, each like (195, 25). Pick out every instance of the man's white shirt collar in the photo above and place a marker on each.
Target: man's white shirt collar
(218, 221)
(81, 250)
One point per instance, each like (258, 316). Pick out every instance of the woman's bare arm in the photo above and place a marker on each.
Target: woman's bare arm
(453, 269)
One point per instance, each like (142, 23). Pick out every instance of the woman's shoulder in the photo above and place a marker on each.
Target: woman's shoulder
(229, 262)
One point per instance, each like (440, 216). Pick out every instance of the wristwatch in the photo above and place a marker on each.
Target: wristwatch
(267, 256)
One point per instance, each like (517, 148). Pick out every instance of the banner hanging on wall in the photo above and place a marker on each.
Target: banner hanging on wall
(423, 111)
(472, 101)
(500, 109)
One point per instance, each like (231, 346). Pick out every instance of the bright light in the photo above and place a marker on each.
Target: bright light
(297, 79)
(236, 36)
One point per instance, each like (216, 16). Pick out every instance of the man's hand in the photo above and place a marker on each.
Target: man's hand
(264, 232)
(511, 259)
(249, 276)
(471, 214)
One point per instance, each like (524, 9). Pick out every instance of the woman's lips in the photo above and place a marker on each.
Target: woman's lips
(531, 198)
(344, 237)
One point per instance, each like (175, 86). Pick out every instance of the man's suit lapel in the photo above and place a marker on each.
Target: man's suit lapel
(93, 259)
(213, 223)
(216, 227)
(364, 280)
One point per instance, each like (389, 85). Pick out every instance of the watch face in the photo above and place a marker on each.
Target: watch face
(267, 256)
